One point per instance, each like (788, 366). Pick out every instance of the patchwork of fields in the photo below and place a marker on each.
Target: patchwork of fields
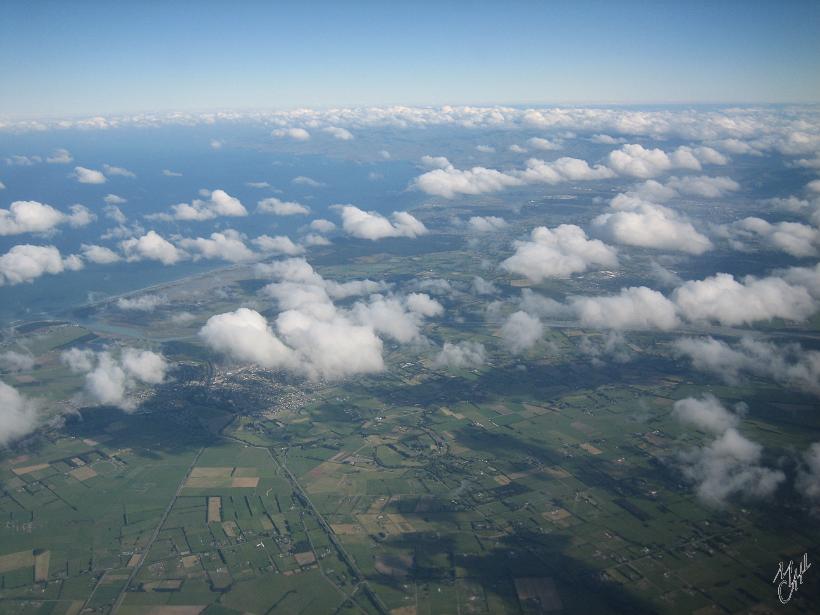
(369, 499)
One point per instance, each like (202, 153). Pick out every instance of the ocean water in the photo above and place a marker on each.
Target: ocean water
(348, 172)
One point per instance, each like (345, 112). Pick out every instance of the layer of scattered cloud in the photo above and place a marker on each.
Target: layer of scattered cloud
(793, 294)
(13, 361)
(312, 336)
(703, 186)
(142, 303)
(19, 160)
(603, 349)
(789, 365)
(730, 466)
(446, 181)
(794, 238)
(734, 130)
(634, 160)
(807, 481)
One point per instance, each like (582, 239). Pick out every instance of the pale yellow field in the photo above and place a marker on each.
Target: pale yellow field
(15, 561)
(204, 472)
(214, 509)
(83, 473)
(30, 469)
(346, 529)
(223, 478)
(305, 558)
(244, 482)
(41, 563)
(190, 609)
(189, 561)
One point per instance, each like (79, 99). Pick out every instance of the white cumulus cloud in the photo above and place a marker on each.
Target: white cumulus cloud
(789, 365)
(633, 308)
(122, 172)
(112, 380)
(343, 134)
(152, 246)
(706, 413)
(463, 355)
(227, 245)
(19, 415)
(281, 208)
(486, 224)
(60, 156)
(373, 226)
(88, 176)
(521, 331)
(634, 160)
(143, 303)
(26, 262)
(558, 253)
(99, 254)
(297, 134)
(730, 467)
(721, 298)
(648, 225)
(219, 203)
(280, 244)
(34, 217)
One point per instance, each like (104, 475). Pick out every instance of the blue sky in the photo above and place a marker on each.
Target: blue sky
(61, 58)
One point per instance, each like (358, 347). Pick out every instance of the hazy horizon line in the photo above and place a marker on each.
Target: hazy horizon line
(484, 104)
